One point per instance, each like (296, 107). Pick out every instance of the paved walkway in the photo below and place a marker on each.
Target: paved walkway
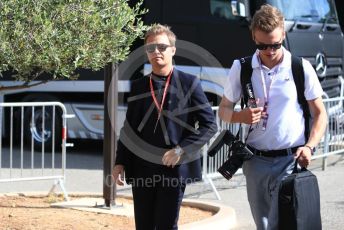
(331, 184)
(84, 174)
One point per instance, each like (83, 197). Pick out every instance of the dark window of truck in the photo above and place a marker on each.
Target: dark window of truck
(317, 11)
(221, 9)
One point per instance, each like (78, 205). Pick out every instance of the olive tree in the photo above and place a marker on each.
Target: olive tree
(59, 36)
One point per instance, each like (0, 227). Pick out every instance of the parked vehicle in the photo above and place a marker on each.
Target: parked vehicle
(220, 29)
(340, 12)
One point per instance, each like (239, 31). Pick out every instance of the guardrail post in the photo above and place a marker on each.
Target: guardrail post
(205, 172)
(326, 140)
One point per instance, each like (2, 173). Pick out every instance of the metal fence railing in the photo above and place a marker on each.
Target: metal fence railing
(332, 142)
(35, 146)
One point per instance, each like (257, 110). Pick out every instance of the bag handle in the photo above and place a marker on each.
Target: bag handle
(295, 166)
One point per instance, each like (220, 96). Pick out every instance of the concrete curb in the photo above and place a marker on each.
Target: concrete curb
(224, 219)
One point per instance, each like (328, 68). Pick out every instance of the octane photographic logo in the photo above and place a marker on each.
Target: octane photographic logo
(130, 136)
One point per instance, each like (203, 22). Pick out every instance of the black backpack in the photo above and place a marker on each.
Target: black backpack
(299, 79)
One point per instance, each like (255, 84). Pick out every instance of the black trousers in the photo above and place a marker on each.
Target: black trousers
(157, 201)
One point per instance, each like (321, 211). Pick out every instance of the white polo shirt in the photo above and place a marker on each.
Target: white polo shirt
(285, 125)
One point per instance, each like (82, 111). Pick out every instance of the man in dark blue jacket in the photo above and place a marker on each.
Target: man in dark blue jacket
(168, 120)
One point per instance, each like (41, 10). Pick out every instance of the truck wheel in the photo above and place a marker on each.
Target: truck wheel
(33, 127)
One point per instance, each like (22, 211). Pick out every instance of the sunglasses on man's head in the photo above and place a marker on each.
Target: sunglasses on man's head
(150, 48)
(275, 46)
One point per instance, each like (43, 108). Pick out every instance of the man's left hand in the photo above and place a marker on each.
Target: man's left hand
(305, 155)
(170, 158)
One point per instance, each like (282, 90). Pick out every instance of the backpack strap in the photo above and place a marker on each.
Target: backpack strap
(299, 79)
(245, 78)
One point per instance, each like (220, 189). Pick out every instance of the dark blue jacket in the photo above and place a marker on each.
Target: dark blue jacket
(188, 121)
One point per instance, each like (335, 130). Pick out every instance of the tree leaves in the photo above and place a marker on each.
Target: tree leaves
(59, 36)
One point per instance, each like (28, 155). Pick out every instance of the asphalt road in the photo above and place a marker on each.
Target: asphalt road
(84, 174)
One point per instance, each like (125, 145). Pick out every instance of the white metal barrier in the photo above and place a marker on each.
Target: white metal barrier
(211, 164)
(32, 130)
(332, 142)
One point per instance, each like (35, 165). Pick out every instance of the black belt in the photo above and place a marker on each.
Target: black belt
(274, 153)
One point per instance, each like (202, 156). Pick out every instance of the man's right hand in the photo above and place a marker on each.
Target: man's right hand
(247, 115)
(250, 115)
(118, 174)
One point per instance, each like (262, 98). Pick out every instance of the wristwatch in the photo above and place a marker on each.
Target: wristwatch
(312, 149)
(178, 150)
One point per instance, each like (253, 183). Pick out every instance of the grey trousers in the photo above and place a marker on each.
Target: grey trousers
(263, 176)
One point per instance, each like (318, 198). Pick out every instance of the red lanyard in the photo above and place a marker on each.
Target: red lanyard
(160, 106)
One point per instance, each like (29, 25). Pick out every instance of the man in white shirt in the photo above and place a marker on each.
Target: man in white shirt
(278, 122)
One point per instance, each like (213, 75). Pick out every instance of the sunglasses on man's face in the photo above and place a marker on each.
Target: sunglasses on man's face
(262, 46)
(150, 48)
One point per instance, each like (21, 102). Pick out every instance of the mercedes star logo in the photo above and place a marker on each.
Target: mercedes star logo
(321, 64)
